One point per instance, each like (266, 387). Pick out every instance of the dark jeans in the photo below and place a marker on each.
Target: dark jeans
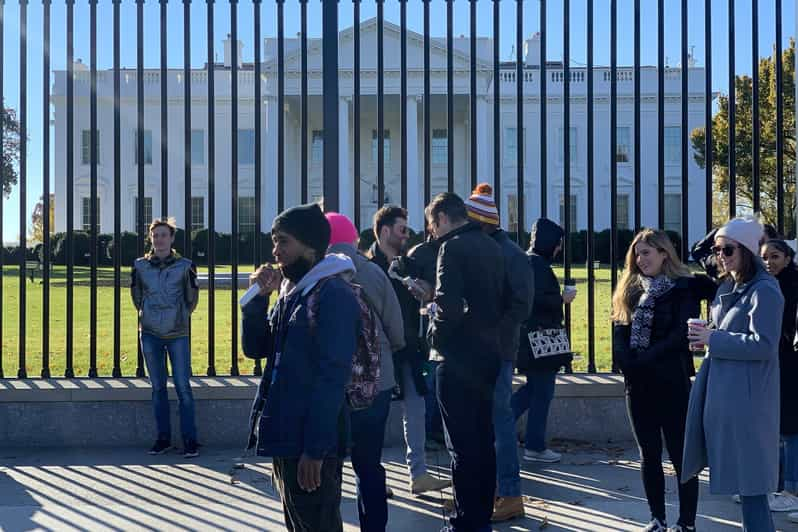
(756, 514)
(657, 409)
(535, 396)
(434, 425)
(465, 394)
(317, 511)
(368, 435)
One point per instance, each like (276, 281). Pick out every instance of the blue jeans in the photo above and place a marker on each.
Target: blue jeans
(368, 435)
(756, 514)
(434, 425)
(155, 350)
(788, 463)
(535, 396)
(508, 470)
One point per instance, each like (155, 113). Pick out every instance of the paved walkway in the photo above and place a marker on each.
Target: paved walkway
(594, 489)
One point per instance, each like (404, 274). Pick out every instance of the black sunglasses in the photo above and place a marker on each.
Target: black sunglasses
(727, 250)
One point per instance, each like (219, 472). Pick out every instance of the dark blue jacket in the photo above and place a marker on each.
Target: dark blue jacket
(301, 393)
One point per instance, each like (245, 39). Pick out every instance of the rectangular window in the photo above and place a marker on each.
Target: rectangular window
(197, 147)
(317, 147)
(573, 144)
(622, 150)
(145, 222)
(673, 145)
(386, 146)
(85, 147)
(512, 213)
(622, 211)
(673, 212)
(197, 213)
(510, 152)
(147, 147)
(572, 208)
(86, 214)
(440, 146)
(246, 146)
(246, 214)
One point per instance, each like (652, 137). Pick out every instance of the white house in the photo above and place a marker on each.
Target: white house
(368, 142)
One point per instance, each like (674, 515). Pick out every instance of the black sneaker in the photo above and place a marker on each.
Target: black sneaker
(160, 447)
(191, 449)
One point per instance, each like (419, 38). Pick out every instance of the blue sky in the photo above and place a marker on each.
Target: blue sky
(531, 24)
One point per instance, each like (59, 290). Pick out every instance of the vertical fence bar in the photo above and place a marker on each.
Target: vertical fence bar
(591, 274)
(519, 111)
(356, 111)
(2, 157)
(22, 371)
(234, 185)
(450, 95)
(280, 105)
(685, 147)
(708, 115)
(732, 119)
(544, 82)
(93, 199)
(473, 91)
(187, 185)
(258, 370)
(45, 192)
(116, 372)
(755, 103)
(303, 53)
(497, 169)
(613, 143)
(661, 114)
(637, 153)
(779, 123)
(380, 106)
(164, 118)
(69, 371)
(566, 101)
(140, 223)
(427, 109)
(211, 195)
(330, 103)
(403, 96)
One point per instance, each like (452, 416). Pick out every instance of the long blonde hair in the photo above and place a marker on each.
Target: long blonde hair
(628, 291)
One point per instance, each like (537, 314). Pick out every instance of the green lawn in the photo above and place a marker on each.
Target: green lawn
(199, 343)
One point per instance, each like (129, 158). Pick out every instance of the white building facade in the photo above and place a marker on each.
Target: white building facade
(486, 151)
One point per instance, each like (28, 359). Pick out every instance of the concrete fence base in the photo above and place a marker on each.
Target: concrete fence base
(118, 412)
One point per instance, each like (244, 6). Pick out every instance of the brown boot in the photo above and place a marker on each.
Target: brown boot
(506, 508)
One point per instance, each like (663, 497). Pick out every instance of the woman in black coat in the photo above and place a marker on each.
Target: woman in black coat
(778, 258)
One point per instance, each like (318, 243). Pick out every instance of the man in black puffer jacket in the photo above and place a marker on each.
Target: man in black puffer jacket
(547, 313)
(465, 329)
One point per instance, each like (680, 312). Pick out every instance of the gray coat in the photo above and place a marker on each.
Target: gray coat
(380, 295)
(733, 416)
(165, 293)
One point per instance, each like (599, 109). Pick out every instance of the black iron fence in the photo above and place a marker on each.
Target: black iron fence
(548, 73)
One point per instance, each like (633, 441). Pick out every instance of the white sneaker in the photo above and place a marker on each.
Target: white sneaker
(547, 455)
(792, 518)
(782, 502)
(655, 526)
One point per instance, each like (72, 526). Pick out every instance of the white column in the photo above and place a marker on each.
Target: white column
(415, 185)
(484, 139)
(269, 174)
(346, 185)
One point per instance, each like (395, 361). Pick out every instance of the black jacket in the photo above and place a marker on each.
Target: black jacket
(547, 306)
(519, 291)
(471, 272)
(668, 357)
(788, 358)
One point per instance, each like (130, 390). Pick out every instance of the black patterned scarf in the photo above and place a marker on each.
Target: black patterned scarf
(643, 314)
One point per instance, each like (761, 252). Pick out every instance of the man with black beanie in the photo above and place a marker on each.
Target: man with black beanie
(299, 411)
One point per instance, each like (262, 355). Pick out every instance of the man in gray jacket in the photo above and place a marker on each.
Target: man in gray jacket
(368, 425)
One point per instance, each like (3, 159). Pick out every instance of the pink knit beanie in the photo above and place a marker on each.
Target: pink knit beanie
(342, 230)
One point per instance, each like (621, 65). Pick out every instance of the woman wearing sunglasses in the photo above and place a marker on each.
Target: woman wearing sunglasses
(733, 417)
(654, 299)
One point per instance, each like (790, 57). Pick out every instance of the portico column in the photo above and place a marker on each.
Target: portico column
(346, 184)
(415, 188)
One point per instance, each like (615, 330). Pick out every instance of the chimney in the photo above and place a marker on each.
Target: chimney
(228, 55)
(532, 50)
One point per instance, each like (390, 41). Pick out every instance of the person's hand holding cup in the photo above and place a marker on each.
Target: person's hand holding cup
(569, 292)
(698, 334)
(267, 277)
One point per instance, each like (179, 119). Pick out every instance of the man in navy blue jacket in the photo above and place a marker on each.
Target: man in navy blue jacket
(300, 410)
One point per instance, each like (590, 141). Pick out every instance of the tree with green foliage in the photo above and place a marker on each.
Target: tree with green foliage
(10, 159)
(744, 144)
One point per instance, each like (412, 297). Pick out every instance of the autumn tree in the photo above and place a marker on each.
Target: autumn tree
(10, 159)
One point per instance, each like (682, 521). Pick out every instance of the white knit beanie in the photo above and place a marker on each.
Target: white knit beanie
(747, 231)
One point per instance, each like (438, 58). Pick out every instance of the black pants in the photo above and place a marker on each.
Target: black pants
(465, 394)
(317, 511)
(658, 408)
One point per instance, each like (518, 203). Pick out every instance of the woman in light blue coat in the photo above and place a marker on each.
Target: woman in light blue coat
(733, 417)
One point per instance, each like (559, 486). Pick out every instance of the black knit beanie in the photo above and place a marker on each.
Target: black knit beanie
(307, 224)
